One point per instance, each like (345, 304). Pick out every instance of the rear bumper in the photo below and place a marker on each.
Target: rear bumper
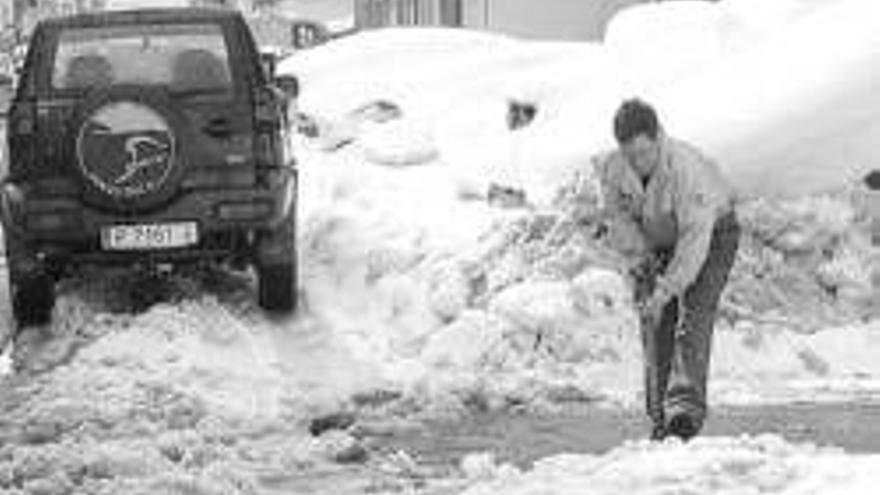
(228, 221)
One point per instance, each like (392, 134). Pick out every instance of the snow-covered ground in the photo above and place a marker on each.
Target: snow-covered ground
(422, 263)
(763, 464)
(421, 292)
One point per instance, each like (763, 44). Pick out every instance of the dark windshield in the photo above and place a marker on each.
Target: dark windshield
(184, 57)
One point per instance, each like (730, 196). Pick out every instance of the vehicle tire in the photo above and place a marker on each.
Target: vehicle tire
(277, 287)
(113, 126)
(277, 275)
(33, 298)
(31, 286)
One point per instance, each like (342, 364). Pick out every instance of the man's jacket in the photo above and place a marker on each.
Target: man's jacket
(676, 210)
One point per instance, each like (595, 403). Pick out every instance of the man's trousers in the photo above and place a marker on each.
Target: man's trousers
(677, 352)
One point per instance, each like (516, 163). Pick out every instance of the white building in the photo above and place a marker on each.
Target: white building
(554, 19)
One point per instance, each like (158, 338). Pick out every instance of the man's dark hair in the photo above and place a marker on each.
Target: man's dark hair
(872, 180)
(635, 117)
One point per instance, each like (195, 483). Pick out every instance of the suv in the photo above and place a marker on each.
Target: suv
(148, 137)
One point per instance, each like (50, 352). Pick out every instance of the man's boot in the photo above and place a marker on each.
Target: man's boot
(683, 427)
(659, 432)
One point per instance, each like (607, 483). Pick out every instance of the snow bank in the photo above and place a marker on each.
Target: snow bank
(432, 290)
(417, 285)
(411, 264)
(725, 75)
(454, 87)
(764, 464)
(663, 43)
(450, 295)
(407, 277)
(199, 394)
(819, 108)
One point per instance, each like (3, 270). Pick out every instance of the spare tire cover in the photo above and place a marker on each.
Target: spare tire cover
(128, 148)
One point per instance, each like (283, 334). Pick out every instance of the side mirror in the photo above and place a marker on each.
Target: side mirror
(289, 85)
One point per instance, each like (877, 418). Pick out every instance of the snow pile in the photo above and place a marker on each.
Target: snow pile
(455, 103)
(489, 303)
(460, 97)
(436, 290)
(818, 105)
(421, 285)
(764, 464)
(451, 290)
(801, 305)
(201, 396)
(806, 260)
(728, 75)
(451, 294)
(663, 43)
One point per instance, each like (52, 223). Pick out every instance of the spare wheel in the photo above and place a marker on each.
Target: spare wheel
(129, 145)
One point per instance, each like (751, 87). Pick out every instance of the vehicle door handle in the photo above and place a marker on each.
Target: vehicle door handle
(218, 127)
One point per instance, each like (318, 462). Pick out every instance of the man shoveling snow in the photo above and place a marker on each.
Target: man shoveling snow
(677, 199)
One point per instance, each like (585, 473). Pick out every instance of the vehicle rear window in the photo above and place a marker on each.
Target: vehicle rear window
(183, 57)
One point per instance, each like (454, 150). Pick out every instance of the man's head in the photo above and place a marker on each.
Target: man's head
(637, 129)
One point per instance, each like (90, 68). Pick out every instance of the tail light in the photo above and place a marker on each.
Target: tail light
(267, 122)
(24, 119)
(22, 135)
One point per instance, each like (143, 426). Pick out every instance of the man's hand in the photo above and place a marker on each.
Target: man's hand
(651, 309)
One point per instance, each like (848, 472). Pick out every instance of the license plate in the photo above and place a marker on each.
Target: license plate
(149, 236)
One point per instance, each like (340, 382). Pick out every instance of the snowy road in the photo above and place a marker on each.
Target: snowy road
(523, 437)
(202, 391)
(424, 301)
